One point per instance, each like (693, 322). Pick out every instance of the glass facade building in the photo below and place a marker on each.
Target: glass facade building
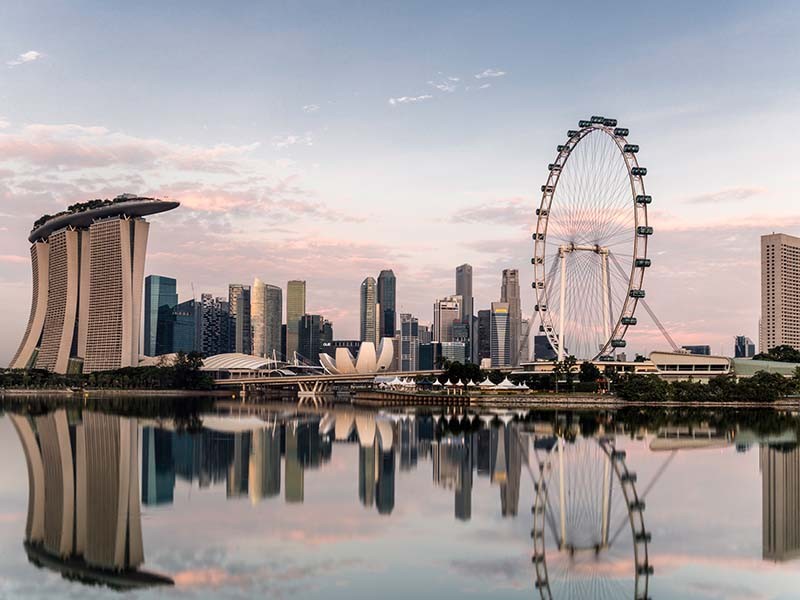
(160, 300)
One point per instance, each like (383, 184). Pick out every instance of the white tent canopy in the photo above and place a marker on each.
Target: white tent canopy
(506, 384)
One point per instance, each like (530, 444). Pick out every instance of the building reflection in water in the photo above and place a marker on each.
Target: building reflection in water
(780, 501)
(83, 499)
(84, 502)
(250, 461)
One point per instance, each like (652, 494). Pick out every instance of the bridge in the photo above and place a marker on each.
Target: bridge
(317, 383)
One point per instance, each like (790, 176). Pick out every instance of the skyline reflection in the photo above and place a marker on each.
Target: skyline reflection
(84, 517)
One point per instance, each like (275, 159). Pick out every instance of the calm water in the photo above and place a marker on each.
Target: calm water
(336, 503)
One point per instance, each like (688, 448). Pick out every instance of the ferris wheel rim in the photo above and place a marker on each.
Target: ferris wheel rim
(635, 509)
(635, 275)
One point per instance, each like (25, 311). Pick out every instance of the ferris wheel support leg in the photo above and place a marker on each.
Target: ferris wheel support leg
(563, 302)
(561, 495)
(606, 500)
(606, 299)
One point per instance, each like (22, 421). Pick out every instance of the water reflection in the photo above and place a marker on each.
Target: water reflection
(83, 499)
(588, 511)
(780, 501)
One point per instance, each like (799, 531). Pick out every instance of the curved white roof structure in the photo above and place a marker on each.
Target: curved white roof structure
(236, 360)
(369, 360)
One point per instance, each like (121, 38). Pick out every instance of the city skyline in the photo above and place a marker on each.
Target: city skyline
(295, 170)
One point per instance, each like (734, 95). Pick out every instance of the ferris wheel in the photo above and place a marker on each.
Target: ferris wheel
(589, 537)
(590, 244)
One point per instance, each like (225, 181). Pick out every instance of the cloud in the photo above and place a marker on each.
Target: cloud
(310, 108)
(446, 84)
(25, 57)
(284, 141)
(510, 211)
(12, 259)
(409, 99)
(69, 146)
(483, 86)
(726, 196)
(489, 73)
(4, 123)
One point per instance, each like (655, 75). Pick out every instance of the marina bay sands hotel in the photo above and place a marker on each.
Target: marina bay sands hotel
(88, 274)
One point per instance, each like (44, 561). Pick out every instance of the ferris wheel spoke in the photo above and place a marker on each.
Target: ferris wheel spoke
(590, 223)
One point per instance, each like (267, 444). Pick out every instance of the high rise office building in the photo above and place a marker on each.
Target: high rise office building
(215, 325)
(267, 316)
(509, 293)
(387, 298)
(542, 350)
(525, 341)
(780, 292)
(500, 341)
(369, 311)
(484, 334)
(88, 280)
(409, 342)
(743, 347)
(313, 333)
(464, 289)
(160, 300)
(425, 336)
(446, 313)
(240, 336)
(187, 327)
(295, 309)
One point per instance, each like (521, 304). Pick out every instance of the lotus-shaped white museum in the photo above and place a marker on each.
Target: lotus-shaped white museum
(368, 360)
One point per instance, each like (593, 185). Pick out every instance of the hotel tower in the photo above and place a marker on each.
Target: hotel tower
(88, 273)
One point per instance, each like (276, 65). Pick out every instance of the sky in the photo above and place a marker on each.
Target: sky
(326, 141)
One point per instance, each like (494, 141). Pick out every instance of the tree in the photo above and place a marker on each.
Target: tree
(784, 353)
(589, 373)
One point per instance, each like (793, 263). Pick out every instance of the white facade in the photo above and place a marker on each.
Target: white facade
(88, 283)
(368, 361)
(780, 291)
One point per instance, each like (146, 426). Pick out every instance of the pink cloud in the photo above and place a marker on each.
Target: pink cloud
(13, 259)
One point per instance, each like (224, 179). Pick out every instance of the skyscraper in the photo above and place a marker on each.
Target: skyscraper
(464, 289)
(160, 300)
(313, 331)
(369, 311)
(409, 342)
(499, 335)
(295, 308)
(446, 312)
(780, 292)
(214, 325)
(240, 337)
(524, 341)
(744, 347)
(387, 298)
(88, 279)
(187, 327)
(267, 315)
(509, 293)
(542, 350)
(484, 334)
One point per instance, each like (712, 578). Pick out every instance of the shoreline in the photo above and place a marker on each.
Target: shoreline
(102, 393)
(383, 399)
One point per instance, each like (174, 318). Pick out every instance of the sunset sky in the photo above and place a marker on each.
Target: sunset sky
(329, 140)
